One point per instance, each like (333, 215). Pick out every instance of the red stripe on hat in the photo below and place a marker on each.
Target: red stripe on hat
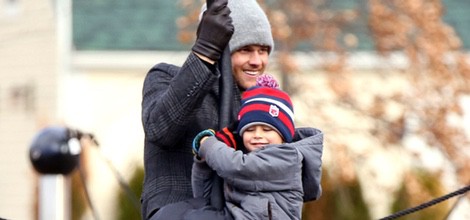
(253, 107)
(285, 119)
(267, 91)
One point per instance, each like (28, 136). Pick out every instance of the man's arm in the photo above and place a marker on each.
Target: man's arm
(169, 95)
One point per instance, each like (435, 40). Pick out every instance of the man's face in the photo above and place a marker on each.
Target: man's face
(249, 62)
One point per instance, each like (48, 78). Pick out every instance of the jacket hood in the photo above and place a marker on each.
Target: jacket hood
(309, 141)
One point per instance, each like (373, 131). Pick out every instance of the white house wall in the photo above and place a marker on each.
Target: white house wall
(27, 97)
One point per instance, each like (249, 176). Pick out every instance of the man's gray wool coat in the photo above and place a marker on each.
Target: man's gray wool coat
(178, 103)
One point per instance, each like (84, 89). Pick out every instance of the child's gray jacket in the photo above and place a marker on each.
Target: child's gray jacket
(268, 183)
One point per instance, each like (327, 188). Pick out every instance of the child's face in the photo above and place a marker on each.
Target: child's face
(258, 136)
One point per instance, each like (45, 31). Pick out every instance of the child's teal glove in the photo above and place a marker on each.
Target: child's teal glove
(197, 139)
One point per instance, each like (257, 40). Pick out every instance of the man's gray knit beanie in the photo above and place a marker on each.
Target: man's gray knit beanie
(251, 25)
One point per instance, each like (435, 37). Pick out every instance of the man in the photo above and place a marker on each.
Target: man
(179, 102)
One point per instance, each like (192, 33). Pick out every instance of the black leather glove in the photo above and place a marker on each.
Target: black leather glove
(214, 30)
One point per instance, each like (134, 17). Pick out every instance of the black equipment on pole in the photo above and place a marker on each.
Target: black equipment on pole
(55, 150)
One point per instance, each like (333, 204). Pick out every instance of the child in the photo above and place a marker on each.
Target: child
(276, 169)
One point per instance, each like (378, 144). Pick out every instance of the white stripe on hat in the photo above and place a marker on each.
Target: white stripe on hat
(278, 103)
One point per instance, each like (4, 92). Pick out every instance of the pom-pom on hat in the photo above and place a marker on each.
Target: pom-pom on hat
(266, 104)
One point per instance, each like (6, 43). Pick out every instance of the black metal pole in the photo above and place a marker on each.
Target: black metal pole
(226, 99)
(225, 116)
(225, 90)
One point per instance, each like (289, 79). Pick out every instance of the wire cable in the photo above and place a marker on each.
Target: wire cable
(453, 207)
(122, 182)
(87, 194)
(427, 204)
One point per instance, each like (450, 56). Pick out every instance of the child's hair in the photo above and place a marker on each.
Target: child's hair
(266, 104)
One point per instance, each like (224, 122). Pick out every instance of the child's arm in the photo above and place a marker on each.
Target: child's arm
(272, 168)
(201, 178)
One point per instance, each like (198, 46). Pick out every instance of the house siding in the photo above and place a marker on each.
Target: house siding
(27, 98)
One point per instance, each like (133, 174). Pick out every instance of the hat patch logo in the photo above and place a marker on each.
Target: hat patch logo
(274, 111)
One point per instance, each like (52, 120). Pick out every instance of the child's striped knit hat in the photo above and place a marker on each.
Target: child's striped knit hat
(266, 104)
